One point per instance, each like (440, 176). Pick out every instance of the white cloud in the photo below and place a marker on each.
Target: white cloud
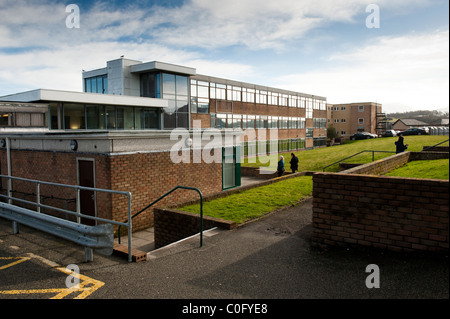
(412, 70)
(201, 23)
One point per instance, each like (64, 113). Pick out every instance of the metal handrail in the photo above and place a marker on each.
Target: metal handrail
(373, 157)
(78, 213)
(430, 147)
(167, 194)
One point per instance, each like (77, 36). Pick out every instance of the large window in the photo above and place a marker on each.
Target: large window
(147, 119)
(151, 85)
(309, 108)
(248, 95)
(74, 116)
(200, 93)
(175, 89)
(95, 117)
(96, 84)
(261, 97)
(101, 117)
(319, 123)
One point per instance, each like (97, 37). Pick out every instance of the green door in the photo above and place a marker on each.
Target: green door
(231, 167)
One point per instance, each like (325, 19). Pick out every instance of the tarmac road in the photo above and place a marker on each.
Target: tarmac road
(267, 259)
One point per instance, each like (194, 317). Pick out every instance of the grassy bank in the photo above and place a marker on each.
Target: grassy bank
(256, 202)
(435, 169)
(315, 160)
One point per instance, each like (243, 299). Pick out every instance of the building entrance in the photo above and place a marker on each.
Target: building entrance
(86, 177)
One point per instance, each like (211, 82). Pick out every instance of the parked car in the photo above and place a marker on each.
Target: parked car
(414, 131)
(390, 133)
(362, 136)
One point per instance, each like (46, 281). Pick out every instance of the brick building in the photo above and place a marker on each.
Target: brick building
(404, 124)
(351, 118)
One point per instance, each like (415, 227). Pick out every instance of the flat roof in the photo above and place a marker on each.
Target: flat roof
(156, 65)
(83, 97)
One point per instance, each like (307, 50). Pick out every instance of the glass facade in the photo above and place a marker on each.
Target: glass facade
(103, 117)
(171, 87)
(243, 121)
(194, 95)
(210, 90)
(253, 148)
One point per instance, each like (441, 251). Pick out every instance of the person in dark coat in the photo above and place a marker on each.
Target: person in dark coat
(399, 145)
(294, 163)
(280, 168)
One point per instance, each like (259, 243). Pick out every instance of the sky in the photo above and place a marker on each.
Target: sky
(394, 52)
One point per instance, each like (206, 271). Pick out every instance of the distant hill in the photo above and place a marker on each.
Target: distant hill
(423, 116)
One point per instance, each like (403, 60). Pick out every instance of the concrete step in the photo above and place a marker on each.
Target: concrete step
(185, 244)
(143, 246)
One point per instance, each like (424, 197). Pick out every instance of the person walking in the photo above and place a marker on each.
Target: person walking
(400, 146)
(294, 163)
(280, 168)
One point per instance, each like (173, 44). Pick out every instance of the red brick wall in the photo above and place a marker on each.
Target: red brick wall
(384, 212)
(146, 175)
(150, 175)
(55, 167)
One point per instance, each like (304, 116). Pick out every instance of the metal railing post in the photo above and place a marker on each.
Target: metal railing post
(78, 204)
(9, 199)
(130, 256)
(38, 197)
(201, 218)
(157, 200)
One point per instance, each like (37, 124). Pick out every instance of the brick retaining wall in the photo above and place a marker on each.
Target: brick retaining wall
(394, 213)
(172, 225)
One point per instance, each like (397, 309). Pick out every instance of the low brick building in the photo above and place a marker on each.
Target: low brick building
(140, 164)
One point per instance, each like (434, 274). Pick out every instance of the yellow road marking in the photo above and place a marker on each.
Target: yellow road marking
(20, 259)
(85, 287)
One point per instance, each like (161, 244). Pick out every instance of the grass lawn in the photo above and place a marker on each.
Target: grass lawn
(435, 169)
(315, 160)
(259, 201)
(256, 202)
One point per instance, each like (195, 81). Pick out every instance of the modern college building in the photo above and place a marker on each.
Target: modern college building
(217, 103)
(117, 134)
